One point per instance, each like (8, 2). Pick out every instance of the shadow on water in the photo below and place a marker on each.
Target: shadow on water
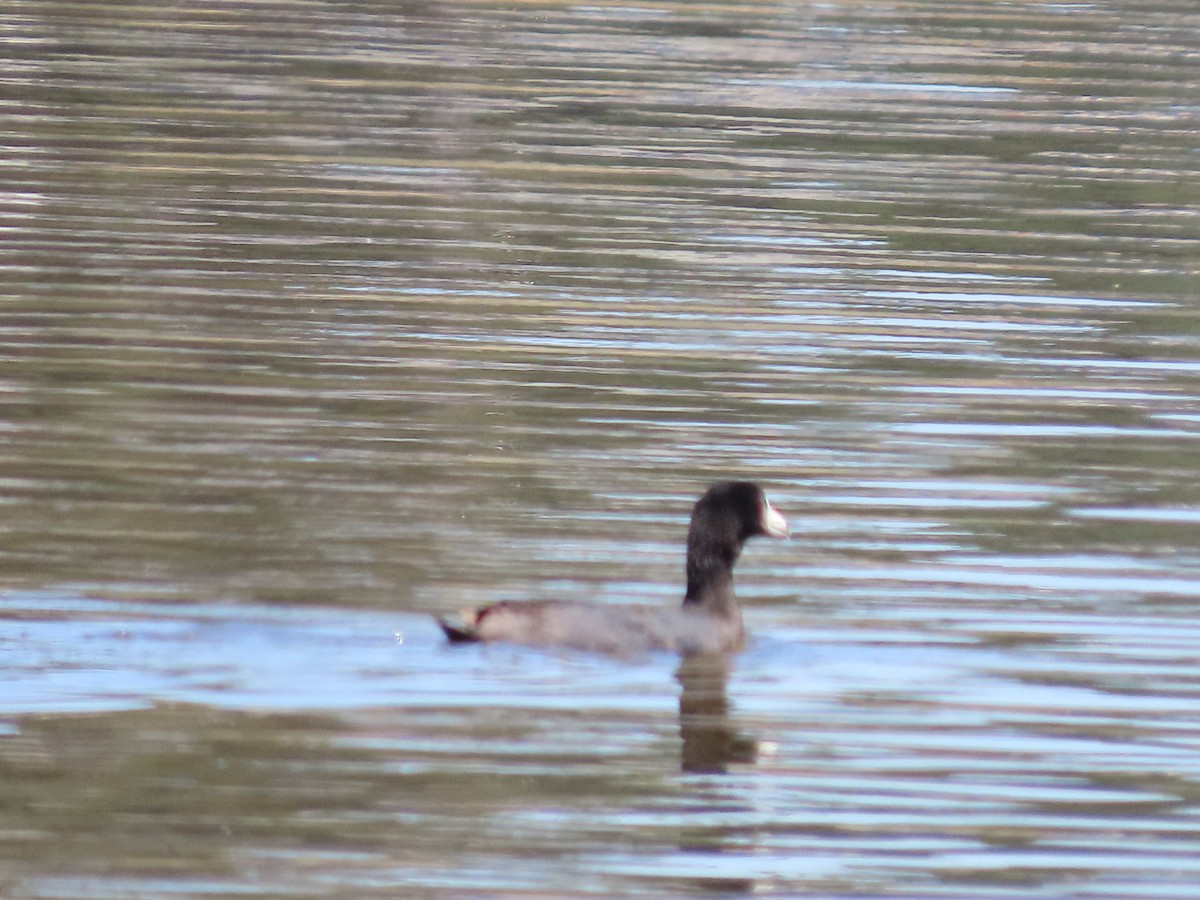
(710, 740)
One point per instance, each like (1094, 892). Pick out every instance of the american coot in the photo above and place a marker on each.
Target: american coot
(709, 621)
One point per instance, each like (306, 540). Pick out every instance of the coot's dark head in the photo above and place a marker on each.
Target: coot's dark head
(728, 515)
(737, 510)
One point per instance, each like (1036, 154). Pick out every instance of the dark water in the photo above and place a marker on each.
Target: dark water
(319, 317)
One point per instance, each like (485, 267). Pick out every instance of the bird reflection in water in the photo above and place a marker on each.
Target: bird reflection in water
(710, 742)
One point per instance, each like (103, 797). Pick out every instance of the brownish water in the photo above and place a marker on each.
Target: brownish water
(319, 317)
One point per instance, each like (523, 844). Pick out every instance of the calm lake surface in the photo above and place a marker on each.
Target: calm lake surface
(318, 318)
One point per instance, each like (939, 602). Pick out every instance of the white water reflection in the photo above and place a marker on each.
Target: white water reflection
(837, 744)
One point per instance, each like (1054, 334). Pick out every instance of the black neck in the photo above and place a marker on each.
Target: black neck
(710, 578)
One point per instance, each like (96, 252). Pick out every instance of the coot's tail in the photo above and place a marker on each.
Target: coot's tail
(459, 632)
